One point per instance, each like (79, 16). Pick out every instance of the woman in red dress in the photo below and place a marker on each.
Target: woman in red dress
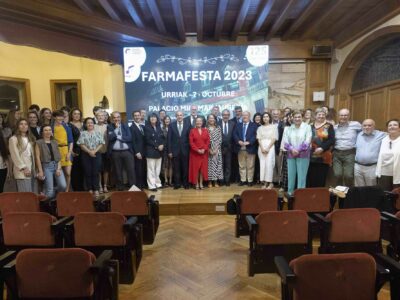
(199, 139)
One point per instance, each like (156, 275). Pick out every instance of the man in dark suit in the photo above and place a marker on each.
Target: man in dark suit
(227, 128)
(120, 149)
(178, 150)
(245, 145)
(238, 115)
(191, 119)
(137, 131)
(237, 118)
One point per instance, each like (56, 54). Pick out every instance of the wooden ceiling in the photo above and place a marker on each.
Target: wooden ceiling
(169, 22)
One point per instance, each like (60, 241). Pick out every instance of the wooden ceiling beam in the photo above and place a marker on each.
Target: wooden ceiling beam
(316, 24)
(155, 12)
(133, 12)
(240, 19)
(199, 19)
(382, 12)
(84, 6)
(279, 21)
(262, 16)
(110, 10)
(26, 9)
(180, 24)
(222, 5)
(300, 20)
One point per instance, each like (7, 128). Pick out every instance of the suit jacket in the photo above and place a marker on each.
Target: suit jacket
(153, 139)
(281, 127)
(178, 145)
(188, 119)
(137, 139)
(126, 136)
(235, 120)
(227, 139)
(251, 137)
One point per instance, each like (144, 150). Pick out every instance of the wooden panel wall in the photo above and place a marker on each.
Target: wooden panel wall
(379, 104)
(317, 79)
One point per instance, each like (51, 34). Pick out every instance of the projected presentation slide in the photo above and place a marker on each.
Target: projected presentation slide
(175, 78)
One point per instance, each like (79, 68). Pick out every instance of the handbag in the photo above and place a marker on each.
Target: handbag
(231, 207)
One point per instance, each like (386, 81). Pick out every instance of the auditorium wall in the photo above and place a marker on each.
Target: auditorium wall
(98, 78)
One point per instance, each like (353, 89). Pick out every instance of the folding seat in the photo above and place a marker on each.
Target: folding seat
(391, 224)
(139, 205)
(332, 277)
(31, 230)
(252, 202)
(311, 200)
(277, 233)
(61, 274)
(22, 202)
(101, 231)
(351, 230)
(71, 203)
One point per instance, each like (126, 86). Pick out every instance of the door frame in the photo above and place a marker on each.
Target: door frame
(53, 83)
(27, 84)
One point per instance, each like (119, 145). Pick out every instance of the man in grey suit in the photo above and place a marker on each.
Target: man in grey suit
(227, 127)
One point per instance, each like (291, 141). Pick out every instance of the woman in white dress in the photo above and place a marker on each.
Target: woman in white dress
(267, 134)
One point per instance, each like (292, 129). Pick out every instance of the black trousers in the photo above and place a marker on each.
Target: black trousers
(3, 175)
(227, 164)
(317, 173)
(180, 165)
(235, 176)
(140, 172)
(91, 166)
(123, 160)
(77, 174)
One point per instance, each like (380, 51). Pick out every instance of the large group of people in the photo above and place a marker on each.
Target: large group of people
(57, 151)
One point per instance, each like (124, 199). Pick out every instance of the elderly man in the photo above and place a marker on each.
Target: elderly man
(345, 148)
(227, 127)
(191, 119)
(367, 152)
(245, 143)
(121, 150)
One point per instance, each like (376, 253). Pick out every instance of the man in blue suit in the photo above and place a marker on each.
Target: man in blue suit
(120, 150)
(245, 145)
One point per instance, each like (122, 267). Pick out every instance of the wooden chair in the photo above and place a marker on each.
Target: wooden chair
(138, 204)
(392, 225)
(311, 200)
(331, 277)
(22, 230)
(351, 230)
(253, 202)
(277, 233)
(61, 274)
(101, 231)
(68, 204)
(22, 202)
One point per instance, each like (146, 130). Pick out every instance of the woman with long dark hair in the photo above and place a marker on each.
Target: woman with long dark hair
(33, 119)
(77, 173)
(45, 116)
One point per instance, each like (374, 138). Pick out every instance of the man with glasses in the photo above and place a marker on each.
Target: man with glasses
(345, 148)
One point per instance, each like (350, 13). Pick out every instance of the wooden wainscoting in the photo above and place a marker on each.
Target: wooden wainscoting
(379, 103)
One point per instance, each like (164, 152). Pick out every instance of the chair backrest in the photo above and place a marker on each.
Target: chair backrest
(130, 203)
(99, 229)
(19, 202)
(71, 203)
(54, 273)
(256, 201)
(334, 276)
(312, 199)
(28, 229)
(354, 225)
(397, 201)
(282, 227)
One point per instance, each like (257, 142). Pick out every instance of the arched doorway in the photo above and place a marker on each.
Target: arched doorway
(368, 82)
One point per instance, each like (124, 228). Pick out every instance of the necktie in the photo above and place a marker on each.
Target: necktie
(120, 143)
(141, 129)
(225, 128)
(193, 121)
(244, 132)
(180, 128)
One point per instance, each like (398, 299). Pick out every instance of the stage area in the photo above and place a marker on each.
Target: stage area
(210, 201)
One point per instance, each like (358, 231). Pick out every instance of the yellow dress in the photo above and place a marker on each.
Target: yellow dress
(60, 135)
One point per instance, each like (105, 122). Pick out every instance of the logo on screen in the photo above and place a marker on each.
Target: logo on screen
(134, 58)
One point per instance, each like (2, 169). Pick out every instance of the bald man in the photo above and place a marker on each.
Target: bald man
(367, 152)
(346, 132)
